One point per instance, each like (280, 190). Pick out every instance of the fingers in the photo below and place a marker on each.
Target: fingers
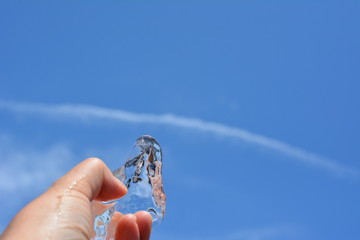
(93, 179)
(144, 222)
(134, 226)
(64, 210)
(127, 229)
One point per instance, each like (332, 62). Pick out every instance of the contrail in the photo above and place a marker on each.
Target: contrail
(88, 112)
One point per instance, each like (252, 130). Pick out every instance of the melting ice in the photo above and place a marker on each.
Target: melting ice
(141, 174)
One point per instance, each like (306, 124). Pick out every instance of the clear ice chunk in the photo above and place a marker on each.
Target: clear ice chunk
(142, 175)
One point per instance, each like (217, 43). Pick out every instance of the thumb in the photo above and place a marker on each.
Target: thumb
(63, 212)
(93, 179)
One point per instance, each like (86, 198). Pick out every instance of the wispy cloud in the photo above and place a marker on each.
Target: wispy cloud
(30, 169)
(88, 112)
(26, 171)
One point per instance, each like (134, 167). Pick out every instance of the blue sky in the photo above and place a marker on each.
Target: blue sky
(255, 103)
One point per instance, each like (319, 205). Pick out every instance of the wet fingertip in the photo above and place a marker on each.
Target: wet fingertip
(145, 214)
(113, 190)
(144, 222)
(144, 219)
(121, 190)
(127, 228)
(131, 216)
(122, 185)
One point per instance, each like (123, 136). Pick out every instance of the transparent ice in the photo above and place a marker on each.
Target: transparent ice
(141, 174)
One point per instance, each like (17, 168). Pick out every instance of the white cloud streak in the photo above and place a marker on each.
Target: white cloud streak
(88, 112)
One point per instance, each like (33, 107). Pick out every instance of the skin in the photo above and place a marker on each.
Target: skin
(64, 210)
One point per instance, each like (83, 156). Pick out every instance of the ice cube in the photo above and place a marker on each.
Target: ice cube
(142, 175)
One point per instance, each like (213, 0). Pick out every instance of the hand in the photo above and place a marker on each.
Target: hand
(64, 210)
